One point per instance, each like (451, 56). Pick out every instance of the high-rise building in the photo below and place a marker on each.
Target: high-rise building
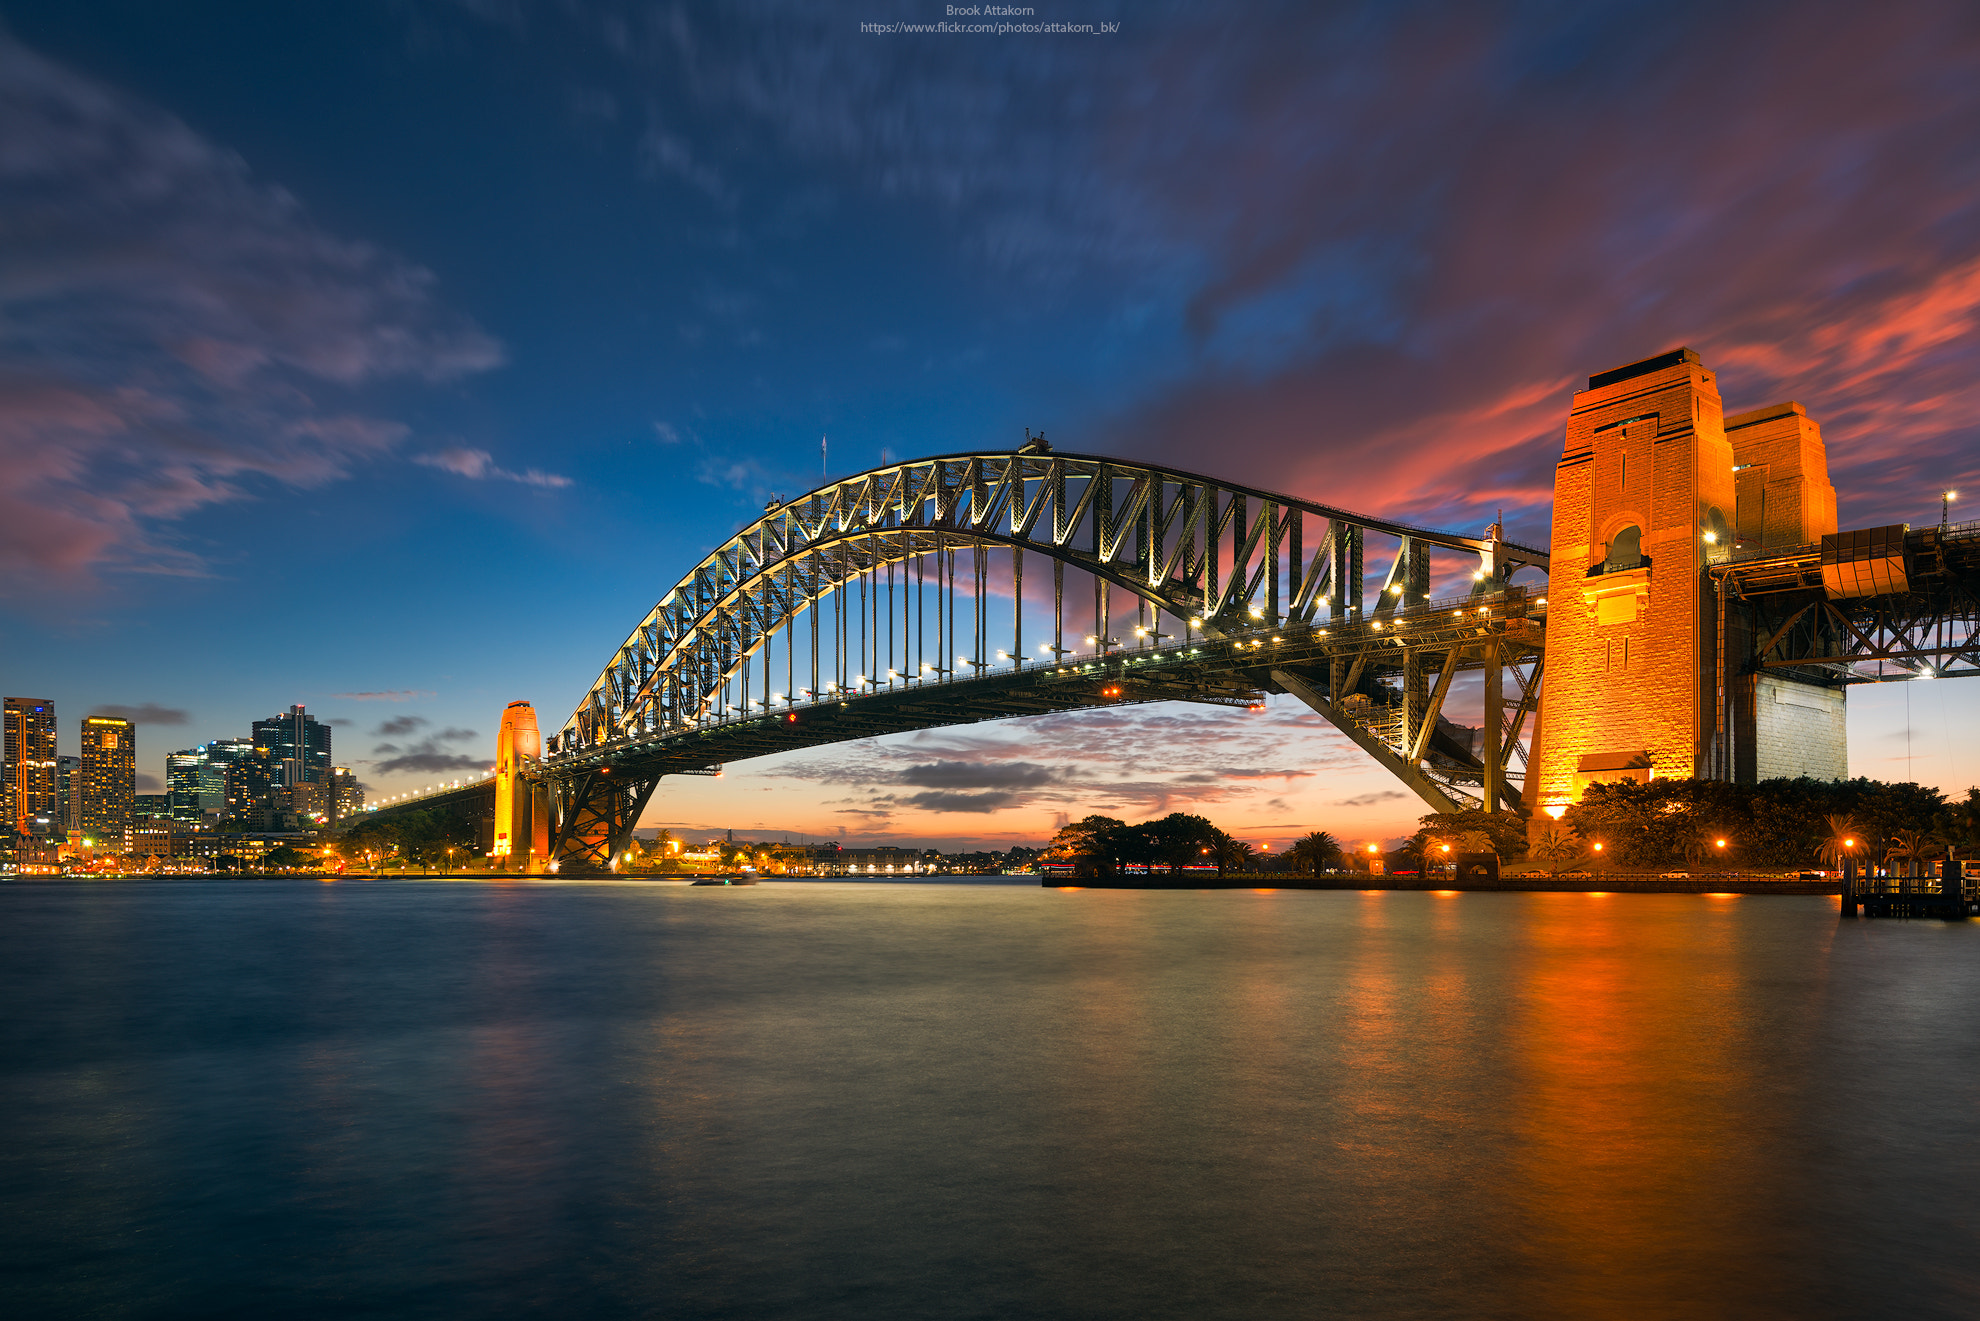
(68, 792)
(298, 746)
(249, 776)
(346, 794)
(195, 773)
(29, 779)
(109, 776)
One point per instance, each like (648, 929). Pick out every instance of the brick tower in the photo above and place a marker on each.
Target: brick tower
(1644, 499)
(1655, 485)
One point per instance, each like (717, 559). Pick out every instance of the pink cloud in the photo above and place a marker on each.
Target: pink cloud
(176, 326)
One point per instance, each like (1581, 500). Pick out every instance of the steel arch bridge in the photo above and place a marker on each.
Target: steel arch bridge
(867, 606)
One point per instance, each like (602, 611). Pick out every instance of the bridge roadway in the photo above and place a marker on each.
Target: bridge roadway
(1395, 671)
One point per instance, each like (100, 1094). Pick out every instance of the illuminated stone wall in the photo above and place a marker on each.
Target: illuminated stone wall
(1781, 476)
(1797, 730)
(1630, 688)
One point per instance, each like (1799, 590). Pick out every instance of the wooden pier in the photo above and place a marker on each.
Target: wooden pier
(1950, 896)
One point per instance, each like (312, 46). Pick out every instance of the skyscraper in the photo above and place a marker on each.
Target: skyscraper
(195, 772)
(297, 745)
(249, 775)
(346, 794)
(109, 777)
(29, 775)
(68, 789)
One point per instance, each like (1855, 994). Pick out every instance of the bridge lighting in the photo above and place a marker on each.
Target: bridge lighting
(1257, 612)
(1196, 623)
(1711, 538)
(1722, 843)
(1395, 589)
(1598, 846)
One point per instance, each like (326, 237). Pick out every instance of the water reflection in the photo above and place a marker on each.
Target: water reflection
(859, 1101)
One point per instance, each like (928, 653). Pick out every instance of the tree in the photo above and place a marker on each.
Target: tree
(1314, 852)
(286, 858)
(1556, 849)
(1906, 846)
(1177, 840)
(1473, 830)
(1092, 841)
(1840, 843)
(1233, 855)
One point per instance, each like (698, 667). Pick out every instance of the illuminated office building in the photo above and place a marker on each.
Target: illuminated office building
(346, 794)
(193, 772)
(297, 745)
(29, 780)
(68, 793)
(109, 776)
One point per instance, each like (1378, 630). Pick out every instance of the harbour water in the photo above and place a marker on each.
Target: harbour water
(406, 1099)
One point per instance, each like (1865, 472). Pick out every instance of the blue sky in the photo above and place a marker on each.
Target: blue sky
(394, 357)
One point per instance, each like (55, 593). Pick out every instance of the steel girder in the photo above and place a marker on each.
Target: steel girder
(1158, 533)
(1782, 619)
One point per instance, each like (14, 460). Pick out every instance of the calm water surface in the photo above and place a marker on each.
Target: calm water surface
(398, 1099)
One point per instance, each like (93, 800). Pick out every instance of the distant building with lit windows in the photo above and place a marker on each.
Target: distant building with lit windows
(28, 783)
(249, 776)
(298, 747)
(109, 776)
(68, 792)
(193, 772)
(346, 794)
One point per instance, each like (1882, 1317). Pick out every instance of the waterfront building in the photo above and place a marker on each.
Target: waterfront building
(346, 794)
(298, 746)
(248, 778)
(194, 772)
(68, 793)
(28, 781)
(109, 776)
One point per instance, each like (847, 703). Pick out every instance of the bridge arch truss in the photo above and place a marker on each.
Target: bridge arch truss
(856, 586)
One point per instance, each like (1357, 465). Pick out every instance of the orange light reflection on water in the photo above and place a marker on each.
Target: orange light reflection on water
(1630, 1038)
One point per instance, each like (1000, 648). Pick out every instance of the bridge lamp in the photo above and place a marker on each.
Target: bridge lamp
(1711, 538)
(1721, 843)
(1257, 612)
(1196, 623)
(1598, 846)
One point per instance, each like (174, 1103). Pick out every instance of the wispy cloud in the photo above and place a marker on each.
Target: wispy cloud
(175, 332)
(385, 695)
(427, 756)
(147, 714)
(480, 465)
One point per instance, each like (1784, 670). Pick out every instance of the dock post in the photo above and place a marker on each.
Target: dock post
(1849, 899)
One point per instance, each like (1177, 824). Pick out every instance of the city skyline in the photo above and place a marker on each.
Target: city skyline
(488, 305)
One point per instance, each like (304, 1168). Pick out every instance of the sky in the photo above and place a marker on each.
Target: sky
(393, 357)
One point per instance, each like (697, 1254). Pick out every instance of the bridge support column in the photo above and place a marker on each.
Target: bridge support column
(522, 816)
(596, 818)
(1495, 724)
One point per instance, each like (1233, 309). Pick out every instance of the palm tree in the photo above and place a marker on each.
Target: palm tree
(1907, 845)
(1556, 849)
(1842, 842)
(1233, 855)
(1315, 852)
